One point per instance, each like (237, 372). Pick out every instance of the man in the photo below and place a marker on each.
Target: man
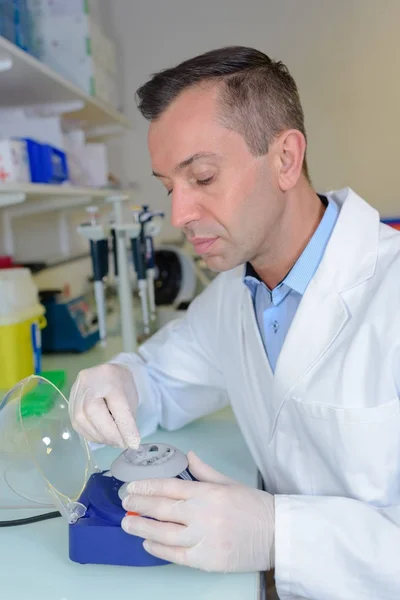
(300, 333)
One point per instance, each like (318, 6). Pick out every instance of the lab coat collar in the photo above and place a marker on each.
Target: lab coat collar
(351, 254)
(349, 260)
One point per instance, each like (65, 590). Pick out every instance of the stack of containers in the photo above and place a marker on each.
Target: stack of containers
(70, 41)
(16, 24)
(21, 318)
(24, 160)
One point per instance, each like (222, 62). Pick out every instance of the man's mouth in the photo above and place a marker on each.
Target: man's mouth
(201, 245)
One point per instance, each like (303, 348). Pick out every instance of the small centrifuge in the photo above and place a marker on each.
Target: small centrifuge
(45, 463)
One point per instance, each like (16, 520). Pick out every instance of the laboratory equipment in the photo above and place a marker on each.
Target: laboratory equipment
(70, 326)
(97, 536)
(122, 227)
(151, 223)
(21, 318)
(114, 251)
(36, 339)
(97, 234)
(176, 282)
(45, 463)
(139, 261)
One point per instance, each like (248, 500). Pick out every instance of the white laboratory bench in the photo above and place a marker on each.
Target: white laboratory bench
(34, 558)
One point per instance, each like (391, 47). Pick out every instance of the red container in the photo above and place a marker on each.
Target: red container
(6, 262)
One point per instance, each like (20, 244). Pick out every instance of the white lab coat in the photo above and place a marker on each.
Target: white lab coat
(325, 429)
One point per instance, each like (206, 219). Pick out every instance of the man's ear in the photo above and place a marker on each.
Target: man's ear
(290, 151)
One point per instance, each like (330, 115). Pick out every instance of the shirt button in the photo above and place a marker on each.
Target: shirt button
(275, 326)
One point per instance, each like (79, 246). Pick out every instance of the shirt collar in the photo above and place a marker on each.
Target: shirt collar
(306, 265)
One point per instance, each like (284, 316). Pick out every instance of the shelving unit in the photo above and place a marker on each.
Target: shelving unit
(27, 82)
(21, 200)
(51, 197)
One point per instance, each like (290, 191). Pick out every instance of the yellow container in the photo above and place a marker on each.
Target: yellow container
(16, 351)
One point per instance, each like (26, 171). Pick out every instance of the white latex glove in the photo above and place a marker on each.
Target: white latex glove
(102, 406)
(215, 525)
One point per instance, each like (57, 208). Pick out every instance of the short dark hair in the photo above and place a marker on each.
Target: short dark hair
(259, 98)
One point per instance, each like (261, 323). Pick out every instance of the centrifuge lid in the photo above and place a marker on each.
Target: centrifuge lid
(152, 461)
(42, 458)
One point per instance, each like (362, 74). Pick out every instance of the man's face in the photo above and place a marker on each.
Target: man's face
(223, 197)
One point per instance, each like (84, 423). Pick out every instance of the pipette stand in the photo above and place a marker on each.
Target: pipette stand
(122, 228)
(152, 228)
(97, 233)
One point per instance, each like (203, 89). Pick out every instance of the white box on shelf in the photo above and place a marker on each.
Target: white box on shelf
(93, 9)
(64, 8)
(14, 162)
(108, 54)
(88, 163)
(14, 123)
(95, 43)
(73, 46)
(96, 162)
(65, 36)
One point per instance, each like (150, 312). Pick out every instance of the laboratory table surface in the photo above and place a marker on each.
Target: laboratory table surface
(34, 558)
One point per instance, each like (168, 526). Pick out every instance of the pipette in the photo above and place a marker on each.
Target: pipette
(97, 234)
(152, 223)
(138, 252)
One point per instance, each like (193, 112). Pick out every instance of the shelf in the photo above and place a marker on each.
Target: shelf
(27, 82)
(51, 197)
(25, 200)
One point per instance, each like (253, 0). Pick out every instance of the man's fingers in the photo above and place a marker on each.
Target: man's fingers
(78, 416)
(124, 420)
(85, 427)
(176, 489)
(87, 430)
(174, 554)
(169, 534)
(162, 509)
(97, 413)
(204, 472)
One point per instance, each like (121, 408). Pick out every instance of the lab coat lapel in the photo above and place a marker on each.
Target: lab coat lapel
(349, 260)
(318, 321)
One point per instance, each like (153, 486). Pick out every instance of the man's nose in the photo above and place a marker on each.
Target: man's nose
(185, 208)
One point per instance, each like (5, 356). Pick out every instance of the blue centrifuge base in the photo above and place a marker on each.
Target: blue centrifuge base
(98, 538)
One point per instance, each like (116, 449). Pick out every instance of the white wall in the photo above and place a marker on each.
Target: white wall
(344, 55)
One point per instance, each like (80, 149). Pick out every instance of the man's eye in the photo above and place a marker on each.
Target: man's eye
(206, 181)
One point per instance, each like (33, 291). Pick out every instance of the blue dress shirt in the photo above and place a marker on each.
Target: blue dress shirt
(275, 309)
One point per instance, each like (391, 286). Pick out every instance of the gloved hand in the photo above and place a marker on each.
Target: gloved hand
(102, 406)
(215, 525)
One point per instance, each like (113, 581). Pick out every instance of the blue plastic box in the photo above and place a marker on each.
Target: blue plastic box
(47, 163)
(67, 329)
(54, 165)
